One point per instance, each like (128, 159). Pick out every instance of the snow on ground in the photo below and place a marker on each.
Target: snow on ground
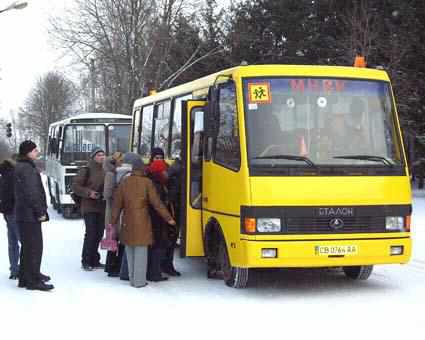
(280, 303)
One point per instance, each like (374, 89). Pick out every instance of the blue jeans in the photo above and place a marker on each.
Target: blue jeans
(13, 240)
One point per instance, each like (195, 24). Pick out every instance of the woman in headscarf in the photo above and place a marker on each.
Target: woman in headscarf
(133, 197)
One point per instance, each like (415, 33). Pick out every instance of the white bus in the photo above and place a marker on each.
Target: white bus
(69, 146)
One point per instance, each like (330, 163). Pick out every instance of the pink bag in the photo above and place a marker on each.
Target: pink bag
(109, 242)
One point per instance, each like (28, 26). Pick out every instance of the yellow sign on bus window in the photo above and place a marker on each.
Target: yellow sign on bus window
(259, 93)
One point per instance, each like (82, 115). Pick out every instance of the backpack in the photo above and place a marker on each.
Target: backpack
(7, 194)
(77, 199)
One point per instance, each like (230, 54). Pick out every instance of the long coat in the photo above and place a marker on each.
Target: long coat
(30, 197)
(7, 172)
(134, 196)
(109, 186)
(83, 184)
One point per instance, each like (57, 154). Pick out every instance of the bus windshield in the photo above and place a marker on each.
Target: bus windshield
(320, 121)
(81, 140)
(119, 136)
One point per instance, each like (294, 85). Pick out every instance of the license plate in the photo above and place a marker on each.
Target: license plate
(335, 250)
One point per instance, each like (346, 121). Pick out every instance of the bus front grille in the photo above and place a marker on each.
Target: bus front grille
(318, 225)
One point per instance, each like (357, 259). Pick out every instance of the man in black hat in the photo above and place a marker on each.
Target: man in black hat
(30, 211)
(88, 184)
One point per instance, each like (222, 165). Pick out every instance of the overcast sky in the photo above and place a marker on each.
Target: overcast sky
(25, 53)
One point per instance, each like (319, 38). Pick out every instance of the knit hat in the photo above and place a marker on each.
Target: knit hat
(129, 157)
(156, 152)
(95, 151)
(26, 147)
(134, 160)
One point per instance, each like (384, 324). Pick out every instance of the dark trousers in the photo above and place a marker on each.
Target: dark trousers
(167, 261)
(31, 252)
(113, 261)
(155, 254)
(95, 225)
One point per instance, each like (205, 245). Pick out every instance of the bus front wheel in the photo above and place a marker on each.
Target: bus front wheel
(235, 277)
(358, 272)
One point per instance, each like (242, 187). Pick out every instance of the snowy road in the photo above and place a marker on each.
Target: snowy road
(284, 303)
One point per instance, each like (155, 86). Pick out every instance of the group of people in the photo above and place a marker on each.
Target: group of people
(24, 206)
(135, 202)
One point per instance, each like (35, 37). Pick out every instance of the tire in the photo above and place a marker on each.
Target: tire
(358, 272)
(58, 200)
(49, 187)
(234, 277)
(68, 211)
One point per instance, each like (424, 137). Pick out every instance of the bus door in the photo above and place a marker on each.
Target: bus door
(191, 222)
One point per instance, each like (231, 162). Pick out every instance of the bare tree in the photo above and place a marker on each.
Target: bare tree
(51, 99)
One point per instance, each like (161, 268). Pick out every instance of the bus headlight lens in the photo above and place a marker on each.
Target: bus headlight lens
(268, 225)
(394, 223)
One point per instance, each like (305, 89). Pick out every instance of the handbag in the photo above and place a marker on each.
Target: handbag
(109, 242)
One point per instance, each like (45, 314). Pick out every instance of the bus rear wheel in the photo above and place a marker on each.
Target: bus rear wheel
(234, 277)
(358, 272)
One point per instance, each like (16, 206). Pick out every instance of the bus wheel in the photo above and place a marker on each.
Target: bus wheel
(233, 276)
(68, 211)
(358, 272)
(58, 200)
(49, 186)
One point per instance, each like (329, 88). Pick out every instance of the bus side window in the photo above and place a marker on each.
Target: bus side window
(162, 126)
(58, 142)
(136, 130)
(176, 129)
(146, 135)
(227, 145)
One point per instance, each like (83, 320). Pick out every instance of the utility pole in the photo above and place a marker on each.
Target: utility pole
(92, 87)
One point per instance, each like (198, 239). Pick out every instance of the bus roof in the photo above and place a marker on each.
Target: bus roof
(201, 85)
(90, 117)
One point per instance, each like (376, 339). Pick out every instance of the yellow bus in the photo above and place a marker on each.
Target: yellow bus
(284, 166)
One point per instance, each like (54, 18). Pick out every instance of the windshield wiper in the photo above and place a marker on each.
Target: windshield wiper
(381, 159)
(290, 157)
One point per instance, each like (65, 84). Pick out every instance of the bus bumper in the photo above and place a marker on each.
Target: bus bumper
(298, 253)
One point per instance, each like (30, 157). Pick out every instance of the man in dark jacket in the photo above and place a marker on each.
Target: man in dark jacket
(88, 184)
(30, 211)
(7, 207)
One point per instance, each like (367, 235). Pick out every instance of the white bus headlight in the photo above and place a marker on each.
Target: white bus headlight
(394, 223)
(268, 225)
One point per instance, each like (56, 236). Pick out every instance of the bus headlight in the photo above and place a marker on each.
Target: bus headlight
(268, 225)
(394, 223)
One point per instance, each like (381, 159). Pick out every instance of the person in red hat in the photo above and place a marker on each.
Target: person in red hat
(157, 172)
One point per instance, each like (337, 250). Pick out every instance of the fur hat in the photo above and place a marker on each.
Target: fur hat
(26, 147)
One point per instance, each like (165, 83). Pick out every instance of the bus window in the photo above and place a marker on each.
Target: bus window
(80, 140)
(118, 138)
(162, 126)
(137, 129)
(227, 148)
(146, 135)
(176, 130)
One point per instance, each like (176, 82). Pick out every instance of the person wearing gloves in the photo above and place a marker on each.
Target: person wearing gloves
(133, 197)
(88, 184)
(30, 212)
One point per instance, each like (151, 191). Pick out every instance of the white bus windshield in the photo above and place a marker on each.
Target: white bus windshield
(81, 140)
(119, 136)
(320, 121)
